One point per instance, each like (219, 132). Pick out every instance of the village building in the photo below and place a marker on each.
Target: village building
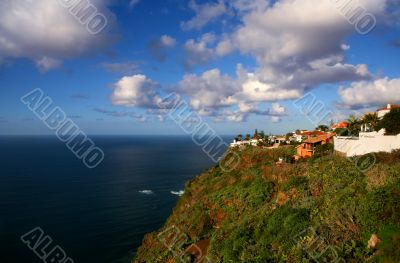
(308, 147)
(368, 141)
(383, 111)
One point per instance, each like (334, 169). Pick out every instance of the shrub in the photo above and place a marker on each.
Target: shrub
(299, 182)
(381, 206)
(391, 122)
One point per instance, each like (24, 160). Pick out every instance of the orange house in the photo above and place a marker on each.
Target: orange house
(307, 148)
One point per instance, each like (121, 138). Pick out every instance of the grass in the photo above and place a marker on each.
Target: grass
(239, 213)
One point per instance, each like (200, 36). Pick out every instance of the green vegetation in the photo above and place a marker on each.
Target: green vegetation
(391, 122)
(262, 212)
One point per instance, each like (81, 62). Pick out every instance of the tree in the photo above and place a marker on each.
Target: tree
(248, 136)
(391, 122)
(323, 128)
(239, 137)
(322, 150)
(288, 135)
(371, 120)
(342, 132)
(354, 125)
(262, 134)
(256, 133)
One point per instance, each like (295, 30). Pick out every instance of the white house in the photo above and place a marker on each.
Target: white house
(383, 111)
(252, 142)
(369, 142)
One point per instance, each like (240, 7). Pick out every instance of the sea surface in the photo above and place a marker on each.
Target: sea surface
(95, 215)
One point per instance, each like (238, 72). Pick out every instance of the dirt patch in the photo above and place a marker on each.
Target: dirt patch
(281, 198)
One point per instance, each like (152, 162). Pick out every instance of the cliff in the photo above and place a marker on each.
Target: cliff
(328, 209)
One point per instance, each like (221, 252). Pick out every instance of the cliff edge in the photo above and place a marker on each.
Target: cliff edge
(327, 209)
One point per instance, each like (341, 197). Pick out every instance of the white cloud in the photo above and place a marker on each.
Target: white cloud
(277, 109)
(375, 93)
(45, 32)
(208, 91)
(158, 47)
(214, 94)
(46, 64)
(224, 47)
(204, 14)
(297, 44)
(136, 91)
(276, 119)
(167, 41)
(199, 52)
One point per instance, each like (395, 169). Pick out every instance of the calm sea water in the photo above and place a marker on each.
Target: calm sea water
(95, 215)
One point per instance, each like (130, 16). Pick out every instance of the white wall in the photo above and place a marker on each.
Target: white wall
(367, 143)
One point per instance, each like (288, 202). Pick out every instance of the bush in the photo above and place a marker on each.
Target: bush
(381, 207)
(391, 122)
(324, 149)
(299, 182)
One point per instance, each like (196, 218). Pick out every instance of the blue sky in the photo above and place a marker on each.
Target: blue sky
(239, 64)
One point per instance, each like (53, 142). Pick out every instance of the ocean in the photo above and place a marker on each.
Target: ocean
(95, 215)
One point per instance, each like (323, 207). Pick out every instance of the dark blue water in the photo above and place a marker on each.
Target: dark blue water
(95, 215)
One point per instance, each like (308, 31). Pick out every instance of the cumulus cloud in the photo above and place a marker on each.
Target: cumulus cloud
(215, 95)
(208, 91)
(136, 91)
(296, 31)
(204, 14)
(298, 45)
(45, 32)
(158, 47)
(199, 52)
(366, 94)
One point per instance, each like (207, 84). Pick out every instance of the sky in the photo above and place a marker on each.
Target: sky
(240, 64)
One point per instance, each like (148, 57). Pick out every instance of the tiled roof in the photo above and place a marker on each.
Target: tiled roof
(393, 106)
(319, 138)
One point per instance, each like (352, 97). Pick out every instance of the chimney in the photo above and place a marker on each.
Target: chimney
(389, 106)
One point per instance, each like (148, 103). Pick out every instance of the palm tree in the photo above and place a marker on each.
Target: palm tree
(354, 125)
(371, 121)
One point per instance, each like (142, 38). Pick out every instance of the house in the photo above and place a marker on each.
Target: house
(383, 111)
(252, 142)
(368, 141)
(307, 148)
(280, 140)
(299, 136)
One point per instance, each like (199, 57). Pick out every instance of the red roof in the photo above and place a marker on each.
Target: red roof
(340, 125)
(320, 138)
(392, 106)
(313, 133)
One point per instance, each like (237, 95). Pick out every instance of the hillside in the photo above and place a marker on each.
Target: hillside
(321, 210)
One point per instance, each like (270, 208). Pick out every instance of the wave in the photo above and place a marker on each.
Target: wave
(180, 193)
(146, 192)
